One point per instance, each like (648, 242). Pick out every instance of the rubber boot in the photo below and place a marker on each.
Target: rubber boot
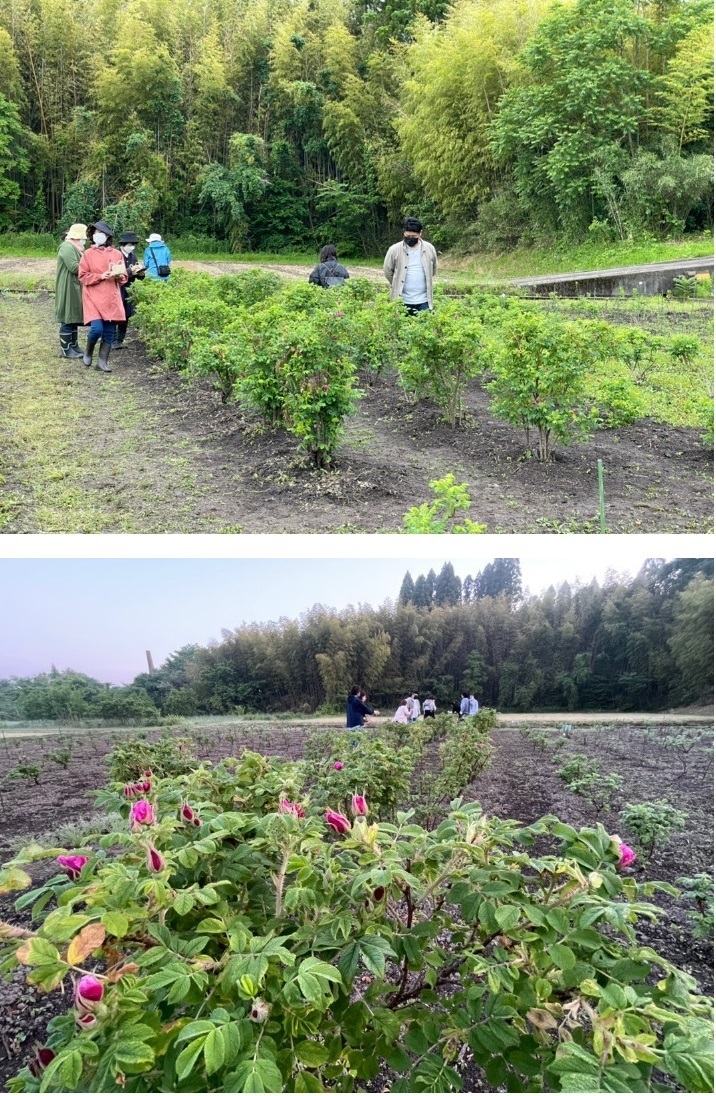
(103, 360)
(89, 351)
(74, 346)
(66, 346)
(121, 336)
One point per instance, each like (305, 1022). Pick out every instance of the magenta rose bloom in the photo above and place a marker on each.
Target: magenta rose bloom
(338, 822)
(627, 857)
(73, 865)
(41, 1061)
(142, 813)
(337, 765)
(359, 805)
(286, 806)
(89, 991)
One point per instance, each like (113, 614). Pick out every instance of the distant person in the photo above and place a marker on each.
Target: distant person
(101, 272)
(357, 710)
(329, 273)
(416, 707)
(402, 715)
(410, 267)
(455, 708)
(429, 707)
(68, 289)
(135, 272)
(157, 258)
(474, 706)
(465, 705)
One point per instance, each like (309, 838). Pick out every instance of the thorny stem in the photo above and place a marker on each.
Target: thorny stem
(279, 880)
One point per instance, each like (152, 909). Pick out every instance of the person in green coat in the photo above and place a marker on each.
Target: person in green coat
(68, 290)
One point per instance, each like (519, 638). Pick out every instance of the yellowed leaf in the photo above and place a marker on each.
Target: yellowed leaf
(128, 968)
(85, 942)
(13, 879)
(23, 953)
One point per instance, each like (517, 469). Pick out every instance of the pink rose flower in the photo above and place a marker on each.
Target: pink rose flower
(338, 822)
(147, 786)
(337, 765)
(88, 993)
(196, 820)
(359, 805)
(41, 1061)
(155, 860)
(286, 806)
(86, 1020)
(627, 857)
(128, 790)
(187, 814)
(73, 865)
(142, 813)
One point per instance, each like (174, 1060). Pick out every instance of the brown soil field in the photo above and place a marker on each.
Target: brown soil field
(521, 783)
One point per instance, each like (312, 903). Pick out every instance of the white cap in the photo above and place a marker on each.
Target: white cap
(154, 238)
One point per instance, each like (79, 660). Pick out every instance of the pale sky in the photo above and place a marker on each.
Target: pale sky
(98, 616)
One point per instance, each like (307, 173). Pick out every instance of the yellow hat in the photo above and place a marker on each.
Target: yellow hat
(77, 232)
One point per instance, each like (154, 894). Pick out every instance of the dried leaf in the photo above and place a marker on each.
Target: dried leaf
(23, 954)
(87, 940)
(128, 968)
(13, 932)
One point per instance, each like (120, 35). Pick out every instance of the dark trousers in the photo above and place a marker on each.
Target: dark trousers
(413, 308)
(121, 332)
(101, 329)
(69, 329)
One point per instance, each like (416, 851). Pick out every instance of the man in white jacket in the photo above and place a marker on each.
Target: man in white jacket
(410, 267)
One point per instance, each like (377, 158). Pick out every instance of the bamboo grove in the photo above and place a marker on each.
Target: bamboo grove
(627, 644)
(276, 124)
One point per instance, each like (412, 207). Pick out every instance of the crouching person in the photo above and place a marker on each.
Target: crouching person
(101, 272)
(68, 290)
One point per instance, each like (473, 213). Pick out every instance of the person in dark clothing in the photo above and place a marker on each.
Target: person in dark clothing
(136, 271)
(357, 710)
(329, 272)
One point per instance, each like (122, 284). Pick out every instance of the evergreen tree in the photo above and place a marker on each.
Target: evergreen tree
(448, 588)
(407, 590)
(501, 576)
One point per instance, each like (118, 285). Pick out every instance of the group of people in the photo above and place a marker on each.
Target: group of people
(409, 266)
(358, 709)
(91, 287)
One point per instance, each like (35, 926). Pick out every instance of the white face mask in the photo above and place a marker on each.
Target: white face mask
(127, 249)
(99, 238)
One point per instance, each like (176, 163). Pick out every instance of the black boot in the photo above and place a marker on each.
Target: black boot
(103, 361)
(67, 347)
(75, 347)
(89, 351)
(121, 335)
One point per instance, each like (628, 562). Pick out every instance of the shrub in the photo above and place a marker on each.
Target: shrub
(447, 350)
(598, 788)
(169, 756)
(576, 767)
(700, 891)
(29, 771)
(652, 824)
(539, 368)
(62, 756)
(225, 956)
(370, 764)
(440, 516)
(250, 288)
(638, 350)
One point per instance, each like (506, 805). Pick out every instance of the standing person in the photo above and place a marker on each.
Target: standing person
(474, 706)
(465, 705)
(429, 707)
(329, 272)
(68, 290)
(357, 709)
(416, 707)
(410, 267)
(402, 715)
(101, 272)
(157, 258)
(135, 272)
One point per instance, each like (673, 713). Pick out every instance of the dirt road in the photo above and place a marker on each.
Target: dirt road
(46, 268)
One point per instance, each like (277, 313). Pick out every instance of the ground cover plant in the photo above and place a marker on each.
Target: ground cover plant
(361, 945)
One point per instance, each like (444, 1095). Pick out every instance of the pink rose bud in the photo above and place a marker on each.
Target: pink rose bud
(338, 765)
(142, 813)
(337, 822)
(379, 894)
(128, 790)
(147, 786)
(187, 813)
(138, 788)
(259, 1011)
(88, 993)
(155, 860)
(148, 773)
(286, 806)
(197, 820)
(359, 805)
(627, 857)
(86, 1020)
(41, 1061)
(73, 865)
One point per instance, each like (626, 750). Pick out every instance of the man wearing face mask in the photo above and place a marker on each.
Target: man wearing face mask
(410, 267)
(136, 271)
(101, 271)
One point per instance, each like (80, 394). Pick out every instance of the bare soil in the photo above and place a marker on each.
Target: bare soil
(521, 783)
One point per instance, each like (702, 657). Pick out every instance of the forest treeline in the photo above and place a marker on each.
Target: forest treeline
(274, 124)
(627, 644)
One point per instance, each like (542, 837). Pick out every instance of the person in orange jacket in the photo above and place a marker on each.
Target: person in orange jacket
(101, 272)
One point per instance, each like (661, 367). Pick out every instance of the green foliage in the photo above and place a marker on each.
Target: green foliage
(371, 766)
(440, 516)
(27, 771)
(62, 756)
(447, 350)
(700, 891)
(240, 954)
(168, 756)
(247, 289)
(652, 824)
(539, 369)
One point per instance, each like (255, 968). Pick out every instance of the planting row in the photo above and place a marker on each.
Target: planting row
(295, 354)
(234, 933)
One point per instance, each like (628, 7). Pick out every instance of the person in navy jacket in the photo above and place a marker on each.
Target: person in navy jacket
(357, 710)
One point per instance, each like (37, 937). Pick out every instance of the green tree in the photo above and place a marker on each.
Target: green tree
(692, 643)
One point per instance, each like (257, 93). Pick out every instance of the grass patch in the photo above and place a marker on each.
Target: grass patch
(70, 835)
(27, 283)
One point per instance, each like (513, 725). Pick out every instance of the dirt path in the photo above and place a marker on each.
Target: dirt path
(47, 267)
(147, 451)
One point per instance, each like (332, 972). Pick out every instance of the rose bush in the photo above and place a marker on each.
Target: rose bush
(234, 968)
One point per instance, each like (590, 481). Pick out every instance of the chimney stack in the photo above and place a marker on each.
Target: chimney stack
(150, 664)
